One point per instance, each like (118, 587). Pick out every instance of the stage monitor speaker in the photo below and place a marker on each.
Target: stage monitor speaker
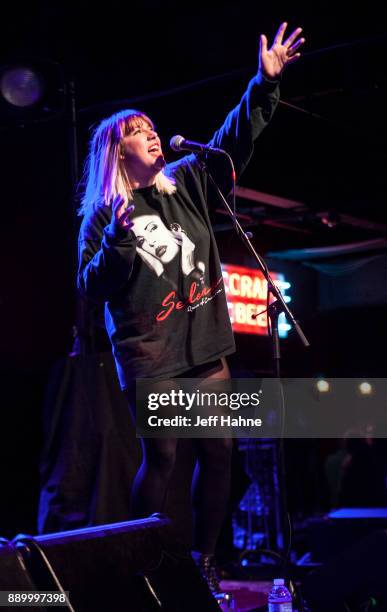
(133, 566)
(352, 578)
(341, 528)
(14, 575)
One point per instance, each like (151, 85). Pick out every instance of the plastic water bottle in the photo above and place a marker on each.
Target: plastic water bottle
(280, 599)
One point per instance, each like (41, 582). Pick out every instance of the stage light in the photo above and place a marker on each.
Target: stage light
(21, 86)
(31, 91)
(365, 388)
(323, 386)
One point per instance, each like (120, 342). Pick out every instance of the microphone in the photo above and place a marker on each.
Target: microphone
(179, 143)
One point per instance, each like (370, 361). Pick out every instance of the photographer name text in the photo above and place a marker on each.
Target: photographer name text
(210, 421)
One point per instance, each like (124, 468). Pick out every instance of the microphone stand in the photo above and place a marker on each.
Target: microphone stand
(277, 306)
(276, 293)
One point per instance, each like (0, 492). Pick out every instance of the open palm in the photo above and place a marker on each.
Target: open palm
(282, 53)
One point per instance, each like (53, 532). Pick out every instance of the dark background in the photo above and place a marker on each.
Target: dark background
(186, 65)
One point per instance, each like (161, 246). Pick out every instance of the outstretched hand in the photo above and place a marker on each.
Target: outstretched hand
(273, 61)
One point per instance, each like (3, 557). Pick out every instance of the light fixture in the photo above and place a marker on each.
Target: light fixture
(365, 388)
(31, 91)
(323, 385)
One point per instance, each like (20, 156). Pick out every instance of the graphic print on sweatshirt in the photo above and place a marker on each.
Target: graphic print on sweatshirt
(171, 254)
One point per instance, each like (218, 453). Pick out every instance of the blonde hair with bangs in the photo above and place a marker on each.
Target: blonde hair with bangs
(105, 175)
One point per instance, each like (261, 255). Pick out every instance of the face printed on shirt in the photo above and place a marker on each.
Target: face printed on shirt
(158, 245)
(155, 238)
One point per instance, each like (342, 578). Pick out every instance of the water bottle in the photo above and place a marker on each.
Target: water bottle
(280, 599)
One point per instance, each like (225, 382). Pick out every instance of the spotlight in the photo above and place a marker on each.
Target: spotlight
(31, 91)
(21, 86)
(365, 388)
(323, 386)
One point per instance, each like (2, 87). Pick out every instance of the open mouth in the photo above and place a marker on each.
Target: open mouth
(161, 250)
(154, 149)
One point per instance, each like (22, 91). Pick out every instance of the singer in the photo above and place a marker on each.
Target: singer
(138, 211)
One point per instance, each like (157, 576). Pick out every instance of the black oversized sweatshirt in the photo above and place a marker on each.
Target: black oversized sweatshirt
(165, 302)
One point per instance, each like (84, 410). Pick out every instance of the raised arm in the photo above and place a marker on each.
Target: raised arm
(246, 121)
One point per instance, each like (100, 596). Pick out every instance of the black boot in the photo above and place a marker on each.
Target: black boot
(208, 570)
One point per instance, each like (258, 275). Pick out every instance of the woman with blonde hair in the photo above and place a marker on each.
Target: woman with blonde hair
(132, 248)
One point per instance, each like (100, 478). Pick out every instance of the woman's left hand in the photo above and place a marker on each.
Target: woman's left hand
(273, 61)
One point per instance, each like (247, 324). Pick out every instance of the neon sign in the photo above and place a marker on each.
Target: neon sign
(246, 291)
